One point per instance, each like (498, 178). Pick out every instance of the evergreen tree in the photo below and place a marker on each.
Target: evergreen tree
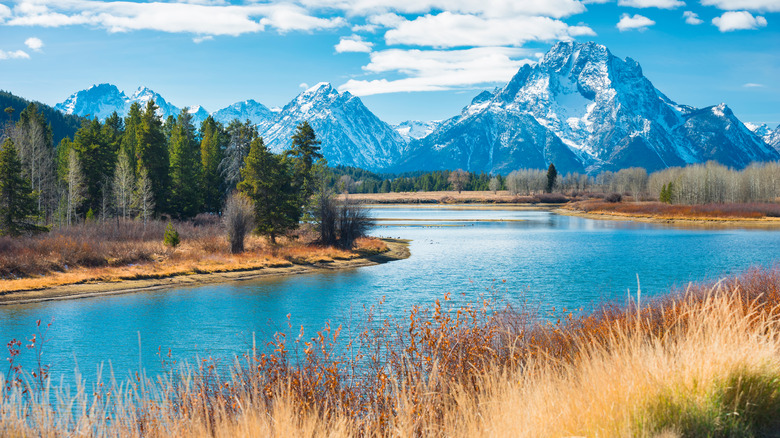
(185, 168)
(267, 181)
(241, 137)
(97, 161)
(552, 175)
(212, 152)
(18, 203)
(129, 143)
(152, 152)
(303, 154)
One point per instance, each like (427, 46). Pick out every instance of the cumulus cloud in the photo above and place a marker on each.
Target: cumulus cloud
(17, 54)
(201, 19)
(692, 18)
(663, 4)
(5, 12)
(434, 70)
(456, 30)
(489, 8)
(738, 20)
(34, 44)
(749, 5)
(637, 22)
(353, 44)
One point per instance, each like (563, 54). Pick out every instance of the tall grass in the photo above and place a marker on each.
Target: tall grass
(704, 361)
(753, 210)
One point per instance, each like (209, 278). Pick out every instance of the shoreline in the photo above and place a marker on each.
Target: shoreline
(695, 222)
(398, 250)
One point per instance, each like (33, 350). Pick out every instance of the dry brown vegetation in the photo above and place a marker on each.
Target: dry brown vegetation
(704, 361)
(661, 210)
(119, 250)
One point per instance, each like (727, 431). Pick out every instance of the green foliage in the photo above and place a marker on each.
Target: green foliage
(303, 155)
(268, 182)
(90, 217)
(667, 193)
(185, 168)
(129, 142)
(171, 237)
(212, 152)
(97, 156)
(62, 125)
(152, 152)
(18, 204)
(552, 175)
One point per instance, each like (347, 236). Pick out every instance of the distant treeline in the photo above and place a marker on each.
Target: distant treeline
(356, 180)
(62, 125)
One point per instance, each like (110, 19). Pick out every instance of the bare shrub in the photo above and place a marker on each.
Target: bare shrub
(239, 219)
(613, 197)
(353, 222)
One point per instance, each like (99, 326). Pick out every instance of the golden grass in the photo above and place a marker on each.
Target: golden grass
(659, 210)
(203, 253)
(705, 362)
(452, 197)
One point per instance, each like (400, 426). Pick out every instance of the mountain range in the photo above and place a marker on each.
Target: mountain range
(580, 107)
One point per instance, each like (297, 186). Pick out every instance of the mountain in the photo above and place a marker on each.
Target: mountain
(258, 113)
(102, 100)
(770, 136)
(351, 135)
(415, 130)
(582, 108)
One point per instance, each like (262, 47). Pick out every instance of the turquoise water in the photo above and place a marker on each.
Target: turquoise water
(544, 258)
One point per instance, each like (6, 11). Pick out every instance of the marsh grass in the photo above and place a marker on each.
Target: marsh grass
(704, 361)
(126, 250)
(755, 210)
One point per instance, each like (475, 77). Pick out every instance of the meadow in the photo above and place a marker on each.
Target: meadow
(701, 361)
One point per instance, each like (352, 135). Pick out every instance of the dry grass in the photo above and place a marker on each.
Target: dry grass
(701, 362)
(667, 211)
(116, 251)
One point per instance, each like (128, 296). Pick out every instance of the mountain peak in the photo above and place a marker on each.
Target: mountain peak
(322, 87)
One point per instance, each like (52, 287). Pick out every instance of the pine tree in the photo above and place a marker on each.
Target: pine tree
(267, 181)
(129, 143)
(97, 161)
(241, 137)
(152, 152)
(185, 168)
(212, 152)
(18, 203)
(552, 176)
(303, 154)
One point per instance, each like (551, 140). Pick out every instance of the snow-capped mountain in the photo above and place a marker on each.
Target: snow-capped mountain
(581, 107)
(769, 135)
(350, 134)
(256, 112)
(102, 100)
(96, 101)
(415, 130)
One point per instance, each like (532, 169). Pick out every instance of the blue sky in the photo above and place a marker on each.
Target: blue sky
(407, 59)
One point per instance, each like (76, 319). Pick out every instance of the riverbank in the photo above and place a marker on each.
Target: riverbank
(140, 278)
(727, 215)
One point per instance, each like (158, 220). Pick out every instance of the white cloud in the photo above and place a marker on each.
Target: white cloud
(750, 5)
(202, 38)
(663, 4)
(432, 70)
(752, 85)
(17, 54)
(455, 30)
(353, 44)
(5, 12)
(34, 44)
(692, 18)
(489, 8)
(738, 20)
(200, 19)
(303, 85)
(637, 22)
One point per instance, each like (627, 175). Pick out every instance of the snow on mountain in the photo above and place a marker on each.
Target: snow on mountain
(199, 114)
(350, 134)
(96, 101)
(415, 130)
(256, 112)
(581, 107)
(769, 135)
